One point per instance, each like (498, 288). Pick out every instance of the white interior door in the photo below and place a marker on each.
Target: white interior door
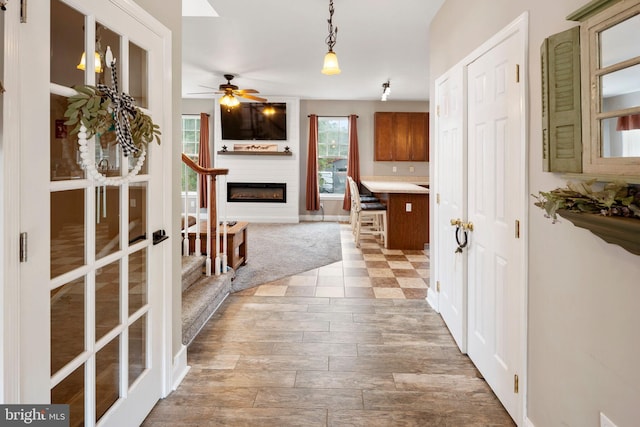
(450, 205)
(495, 186)
(92, 286)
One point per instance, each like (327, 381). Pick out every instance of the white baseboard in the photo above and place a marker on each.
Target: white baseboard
(265, 219)
(180, 367)
(325, 218)
(432, 299)
(527, 422)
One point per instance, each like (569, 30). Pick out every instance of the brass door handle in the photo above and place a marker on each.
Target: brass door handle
(467, 226)
(456, 222)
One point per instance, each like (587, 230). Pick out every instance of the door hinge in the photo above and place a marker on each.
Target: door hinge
(23, 247)
(438, 110)
(516, 384)
(438, 286)
(438, 198)
(517, 73)
(517, 229)
(23, 11)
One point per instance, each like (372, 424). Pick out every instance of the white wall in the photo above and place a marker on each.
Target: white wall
(170, 14)
(583, 296)
(256, 168)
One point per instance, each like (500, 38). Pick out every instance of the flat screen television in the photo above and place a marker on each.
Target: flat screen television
(252, 121)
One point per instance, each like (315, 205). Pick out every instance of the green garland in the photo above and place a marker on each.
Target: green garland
(91, 108)
(612, 199)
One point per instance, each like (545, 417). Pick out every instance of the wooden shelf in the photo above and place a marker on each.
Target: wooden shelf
(624, 232)
(255, 153)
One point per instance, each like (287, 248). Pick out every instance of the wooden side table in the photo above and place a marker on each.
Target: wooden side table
(236, 242)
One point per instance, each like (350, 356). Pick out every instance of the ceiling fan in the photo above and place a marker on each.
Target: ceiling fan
(230, 91)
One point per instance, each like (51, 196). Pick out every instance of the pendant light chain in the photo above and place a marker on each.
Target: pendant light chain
(333, 35)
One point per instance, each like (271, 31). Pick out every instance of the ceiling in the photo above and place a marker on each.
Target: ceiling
(277, 47)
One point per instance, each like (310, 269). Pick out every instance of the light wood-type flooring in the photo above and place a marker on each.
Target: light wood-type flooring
(366, 359)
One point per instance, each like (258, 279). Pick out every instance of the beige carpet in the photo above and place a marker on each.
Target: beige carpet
(280, 250)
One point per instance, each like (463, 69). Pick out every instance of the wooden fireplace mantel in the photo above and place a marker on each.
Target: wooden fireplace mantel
(255, 153)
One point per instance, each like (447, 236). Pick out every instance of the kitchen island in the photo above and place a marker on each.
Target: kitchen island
(407, 212)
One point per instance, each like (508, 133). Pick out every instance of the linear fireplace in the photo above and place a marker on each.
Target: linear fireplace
(262, 192)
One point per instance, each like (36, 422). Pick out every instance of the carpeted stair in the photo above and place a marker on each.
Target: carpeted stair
(201, 295)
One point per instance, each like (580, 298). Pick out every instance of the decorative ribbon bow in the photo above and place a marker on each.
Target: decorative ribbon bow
(123, 110)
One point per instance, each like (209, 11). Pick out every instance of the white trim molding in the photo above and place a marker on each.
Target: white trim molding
(10, 136)
(180, 368)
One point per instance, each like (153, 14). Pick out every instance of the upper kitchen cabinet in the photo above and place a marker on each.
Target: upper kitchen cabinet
(402, 137)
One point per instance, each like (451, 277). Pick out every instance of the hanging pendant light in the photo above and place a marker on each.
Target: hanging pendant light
(330, 66)
(97, 59)
(97, 63)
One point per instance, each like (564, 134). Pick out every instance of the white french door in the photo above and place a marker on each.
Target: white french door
(496, 279)
(93, 282)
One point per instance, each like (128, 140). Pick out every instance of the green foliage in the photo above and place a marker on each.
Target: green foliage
(611, 199)
(91, 108)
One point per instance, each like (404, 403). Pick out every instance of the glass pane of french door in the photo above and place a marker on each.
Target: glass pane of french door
(99, 241)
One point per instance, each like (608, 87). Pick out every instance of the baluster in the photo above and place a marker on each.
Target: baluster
(215, 212)
(209, 219)
(185, 226)
(197, 250)
(224, 228)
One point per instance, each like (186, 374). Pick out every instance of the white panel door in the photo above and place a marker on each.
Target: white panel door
(92, 286)
(450, 191)
(495, 187)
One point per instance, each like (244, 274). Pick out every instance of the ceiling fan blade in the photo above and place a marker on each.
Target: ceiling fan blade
(254, 98)
(241, 91)
(201, 93)
(209, 87)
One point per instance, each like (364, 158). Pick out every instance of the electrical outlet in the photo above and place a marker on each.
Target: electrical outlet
(606, 422)
(411, 169)
(408, 207)
(394, 169)
(321, 205)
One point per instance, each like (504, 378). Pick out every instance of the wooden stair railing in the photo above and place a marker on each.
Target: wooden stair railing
(212, 216)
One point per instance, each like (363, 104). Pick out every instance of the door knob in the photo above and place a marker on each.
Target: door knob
(467, 226)
(456, 222)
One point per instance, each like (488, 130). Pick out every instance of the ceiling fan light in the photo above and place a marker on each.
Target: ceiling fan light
(268, 110)
(229, 101)
(330, 66)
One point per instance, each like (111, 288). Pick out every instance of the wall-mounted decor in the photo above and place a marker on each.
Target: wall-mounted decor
(99, 110)
(255, 147)
(610, 211)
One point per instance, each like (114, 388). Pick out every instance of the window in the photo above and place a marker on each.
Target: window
(191, 136)
(190, 147)
(333, 149)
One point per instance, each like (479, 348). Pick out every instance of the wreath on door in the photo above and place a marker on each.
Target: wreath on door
(104, 111)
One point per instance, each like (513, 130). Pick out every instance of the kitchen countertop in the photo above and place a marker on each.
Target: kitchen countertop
(394, 187)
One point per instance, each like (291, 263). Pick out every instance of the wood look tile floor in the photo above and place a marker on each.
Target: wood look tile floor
(343, 345)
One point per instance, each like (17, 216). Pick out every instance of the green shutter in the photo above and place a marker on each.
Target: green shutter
(544, 66)
(562, 130)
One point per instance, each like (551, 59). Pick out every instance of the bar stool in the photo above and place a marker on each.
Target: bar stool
(368, 217)
(363, 199)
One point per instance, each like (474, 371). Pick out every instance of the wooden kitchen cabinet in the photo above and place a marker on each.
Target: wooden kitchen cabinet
(402, 137)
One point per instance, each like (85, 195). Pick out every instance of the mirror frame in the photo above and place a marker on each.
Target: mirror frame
(594, 18)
